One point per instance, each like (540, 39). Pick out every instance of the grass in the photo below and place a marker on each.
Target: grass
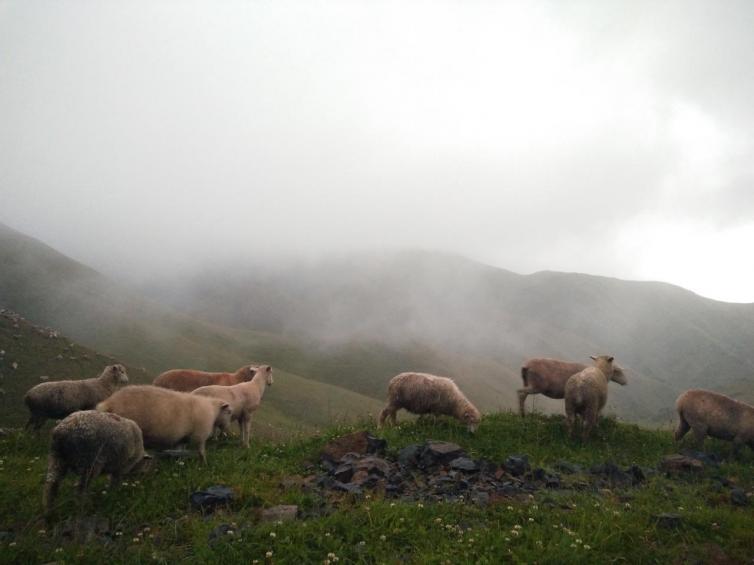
(151, 520)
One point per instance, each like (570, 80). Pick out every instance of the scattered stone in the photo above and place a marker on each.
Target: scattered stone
(283, 512)
(220, 532)
(439, 453)
(211, 498)
(517, 465)
(464, 464)
(567, 467)
(612, 474)
(85, 529)
(738, 497)
(677, 464)
(409, 455)
(44, 378)
(481, 498)
(706, 458)
(357, 442)
(667, 520)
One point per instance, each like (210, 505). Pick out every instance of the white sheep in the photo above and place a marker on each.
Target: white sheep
(708, 413)
(586, 393)
(168, 417)
(421, 393)
(90, 443)
(58, 399)
(243, 398)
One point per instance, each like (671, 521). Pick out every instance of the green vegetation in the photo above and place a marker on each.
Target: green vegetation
(150, 518)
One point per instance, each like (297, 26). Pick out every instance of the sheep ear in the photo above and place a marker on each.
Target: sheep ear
(592, 357)
(268, 368)
(610, 359)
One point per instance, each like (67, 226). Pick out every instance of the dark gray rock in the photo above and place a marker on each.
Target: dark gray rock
(409, 455)
(711, 459)
(681, 464)
(346, 487)
(439, 453)
(209, 499)
(517, 465)
(464, 464)
(738, 497)
(567, 467)
(667, 520)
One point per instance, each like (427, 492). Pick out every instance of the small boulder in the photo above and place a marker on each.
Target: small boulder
(677, 463)
(409, 455)
(464, 464)
(439, 453)
(282, 512)
(211, 498)
(517, 465)
(738, 497)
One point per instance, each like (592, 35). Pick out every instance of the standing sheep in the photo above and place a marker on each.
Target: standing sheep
(545, 376)
(58, 399)
(586, 393)
(243, 398)
(421, 393)
(167, 417)
(186, 380)
(708, 413)
(90, 443)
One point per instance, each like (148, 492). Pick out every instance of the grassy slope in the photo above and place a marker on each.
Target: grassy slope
(293, 404)
(155, 522)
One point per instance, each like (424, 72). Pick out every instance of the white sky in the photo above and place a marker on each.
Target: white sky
(613, 138)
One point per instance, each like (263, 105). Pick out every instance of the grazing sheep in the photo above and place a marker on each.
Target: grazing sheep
(58, 399)
(586, 393)
(243, 398)
(708, 413)
(186, 380)
(421, 393)
(545, 376)
(90, 443)
(167, 417)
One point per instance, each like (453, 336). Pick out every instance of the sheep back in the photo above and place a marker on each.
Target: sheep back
(720, 416)
(187, 380)
(549, 376)
(422, 393)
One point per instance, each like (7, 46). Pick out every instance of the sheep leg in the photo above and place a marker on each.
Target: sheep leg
(56, 470)
(248, 430)
(682, 429)
(202, 445)
(92, 473)
(522, 394)
(35, 422)
(589, 421)
(700, 432)
(570, 418)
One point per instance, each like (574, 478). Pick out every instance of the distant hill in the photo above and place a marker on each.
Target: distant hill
(353, 322)
(481, 322)
(53, 290)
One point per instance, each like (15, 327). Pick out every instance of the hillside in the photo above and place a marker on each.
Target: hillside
(607, 501)
(479, 323)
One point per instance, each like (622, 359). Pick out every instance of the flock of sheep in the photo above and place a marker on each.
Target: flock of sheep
(106, 426)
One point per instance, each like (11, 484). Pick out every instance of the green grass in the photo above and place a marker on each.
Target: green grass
(151, 519)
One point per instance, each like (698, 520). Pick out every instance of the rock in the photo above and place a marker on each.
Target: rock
(738, 497)
(517, 465)
(283, 512)
(85, 529)
(667, 520)
(464, 464)
(357, 442)
(637, 474)
(439, 453)
(6, 536)
(212, 497)
(706, 458)
(220, 532)
(677, 463)
(409, 455)
(612, 473)
(44, 378)
(567, 467)
(346, 487)
(480, 498)
(344, 472)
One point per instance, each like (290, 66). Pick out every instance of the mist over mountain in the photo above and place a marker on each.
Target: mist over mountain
(353, 321)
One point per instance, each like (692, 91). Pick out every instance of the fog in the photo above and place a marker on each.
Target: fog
(154, 139)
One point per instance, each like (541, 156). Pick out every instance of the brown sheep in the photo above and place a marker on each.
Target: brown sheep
(586, 393)
(167, 417)
(421, 393)
(186, 380)
(243, 398)
(58, 399)
(708, 413)
(545, 376)
(89, 443)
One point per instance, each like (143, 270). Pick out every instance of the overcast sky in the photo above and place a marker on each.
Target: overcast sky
(612, 138)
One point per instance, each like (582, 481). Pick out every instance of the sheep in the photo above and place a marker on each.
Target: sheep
(58, 399)
(586, 393)
(186, 380)
(545, 376)
(89, 443)
(421, 393)
(708, 413)
(167, 417)
(243, 398)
